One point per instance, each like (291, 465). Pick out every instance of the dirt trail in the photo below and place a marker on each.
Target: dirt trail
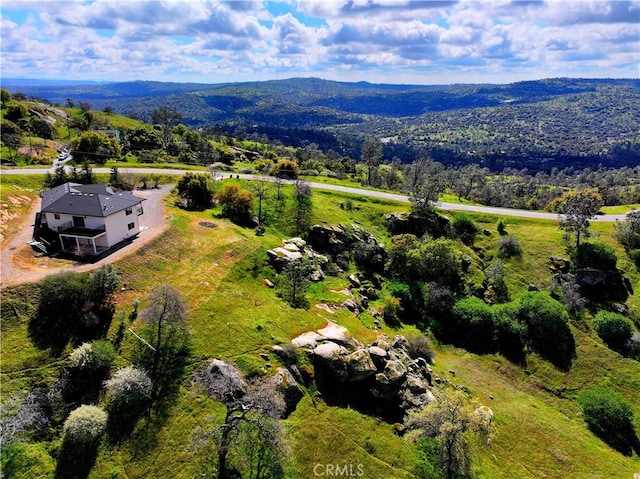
(20, 264)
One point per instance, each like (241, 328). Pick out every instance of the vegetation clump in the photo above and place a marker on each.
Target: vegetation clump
(610, 418)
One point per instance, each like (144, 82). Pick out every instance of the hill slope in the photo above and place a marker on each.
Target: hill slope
(580, 122)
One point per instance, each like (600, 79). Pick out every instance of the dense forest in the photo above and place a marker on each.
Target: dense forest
(539, 125)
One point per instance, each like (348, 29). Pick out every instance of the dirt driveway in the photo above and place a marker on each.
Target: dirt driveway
(20, 264)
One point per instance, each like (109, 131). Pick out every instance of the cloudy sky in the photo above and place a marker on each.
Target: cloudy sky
(386, 41)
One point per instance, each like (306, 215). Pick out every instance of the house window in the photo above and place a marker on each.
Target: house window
(130, 226)
(56, 216)
(140, 210)
(128, 211)
(78, 221)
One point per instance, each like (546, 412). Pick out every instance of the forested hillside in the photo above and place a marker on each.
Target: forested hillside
(535, 124)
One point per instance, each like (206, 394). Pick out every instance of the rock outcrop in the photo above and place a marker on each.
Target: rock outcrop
(430, 223)
(380, 376)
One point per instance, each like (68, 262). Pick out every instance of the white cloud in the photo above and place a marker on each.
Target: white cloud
(236, 40)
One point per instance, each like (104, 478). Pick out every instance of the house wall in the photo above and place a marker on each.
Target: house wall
(89, 221)
(117, 226)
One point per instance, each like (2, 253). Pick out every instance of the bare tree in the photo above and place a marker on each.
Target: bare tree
(450, 420)
(371, 155)
(261, 188)
(415, 173)
(250, 427)
(167, 313)
(19, 415)
(303, 205)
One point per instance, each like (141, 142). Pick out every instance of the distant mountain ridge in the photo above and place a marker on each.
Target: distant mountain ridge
(585, 121)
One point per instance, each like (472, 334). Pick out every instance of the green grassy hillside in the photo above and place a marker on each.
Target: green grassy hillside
(233, 316)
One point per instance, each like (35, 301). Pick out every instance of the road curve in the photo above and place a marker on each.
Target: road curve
(342, 189)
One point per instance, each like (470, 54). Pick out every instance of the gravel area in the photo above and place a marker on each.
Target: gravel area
(20, 264)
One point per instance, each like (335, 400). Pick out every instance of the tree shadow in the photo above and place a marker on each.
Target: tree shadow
(75, 461)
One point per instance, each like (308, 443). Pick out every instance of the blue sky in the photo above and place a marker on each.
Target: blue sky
(384, 41)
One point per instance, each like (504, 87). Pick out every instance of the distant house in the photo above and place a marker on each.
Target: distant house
(110, 133)
(87, 219)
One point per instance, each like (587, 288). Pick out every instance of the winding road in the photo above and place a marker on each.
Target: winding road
(12, 273)
(342, 189)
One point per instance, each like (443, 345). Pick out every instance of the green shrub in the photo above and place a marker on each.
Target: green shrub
(627, 232)
(510, 335)
(465, 228)
(635, 257)
(95, 356)
(613, 328)
(237, 203)
(509, 247)
(501, 227)
(594, 255)
(285, 169)
(473, 324)
(391, 310)
(610, 417)
(548, 328)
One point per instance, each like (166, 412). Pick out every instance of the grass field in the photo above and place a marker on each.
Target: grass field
(233, 316)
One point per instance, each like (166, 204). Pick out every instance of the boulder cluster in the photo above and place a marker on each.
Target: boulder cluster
(381, 376)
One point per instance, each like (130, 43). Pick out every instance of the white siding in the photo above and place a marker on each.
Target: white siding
(117, 226)
(89, 221)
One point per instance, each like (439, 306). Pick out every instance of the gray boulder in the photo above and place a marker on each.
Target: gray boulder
(360, 365)
(395, 371)
(290, 389)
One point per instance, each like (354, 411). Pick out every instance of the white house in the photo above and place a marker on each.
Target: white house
(90, 219)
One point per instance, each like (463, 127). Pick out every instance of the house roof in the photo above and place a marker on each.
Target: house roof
(87, 200)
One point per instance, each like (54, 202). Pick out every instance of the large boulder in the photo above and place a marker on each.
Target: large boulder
(307, 340)
(395, 371)
(602, 284)
(329, 357)
(338, 334)
(429, 222)
(360, 365)
(328, 239)
(290, 389)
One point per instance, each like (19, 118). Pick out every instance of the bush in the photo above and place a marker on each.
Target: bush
(129, 393)
(391, 310)
(610, 418)
(509, 247)
(548, 328)
(129, 385)
(196, 189)
(473, 324)
(285, 169)
(85, 425)
(627, 232)
(236, 203)
(613, 328)
(94, 356)
(501, 227)
(420, 347)
(594, 255)
(510, 335)
(435, 260)
(465, 228)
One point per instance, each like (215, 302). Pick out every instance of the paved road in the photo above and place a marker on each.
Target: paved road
(342, 189)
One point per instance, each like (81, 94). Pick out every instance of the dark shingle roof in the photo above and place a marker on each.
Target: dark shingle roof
(87, 200)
